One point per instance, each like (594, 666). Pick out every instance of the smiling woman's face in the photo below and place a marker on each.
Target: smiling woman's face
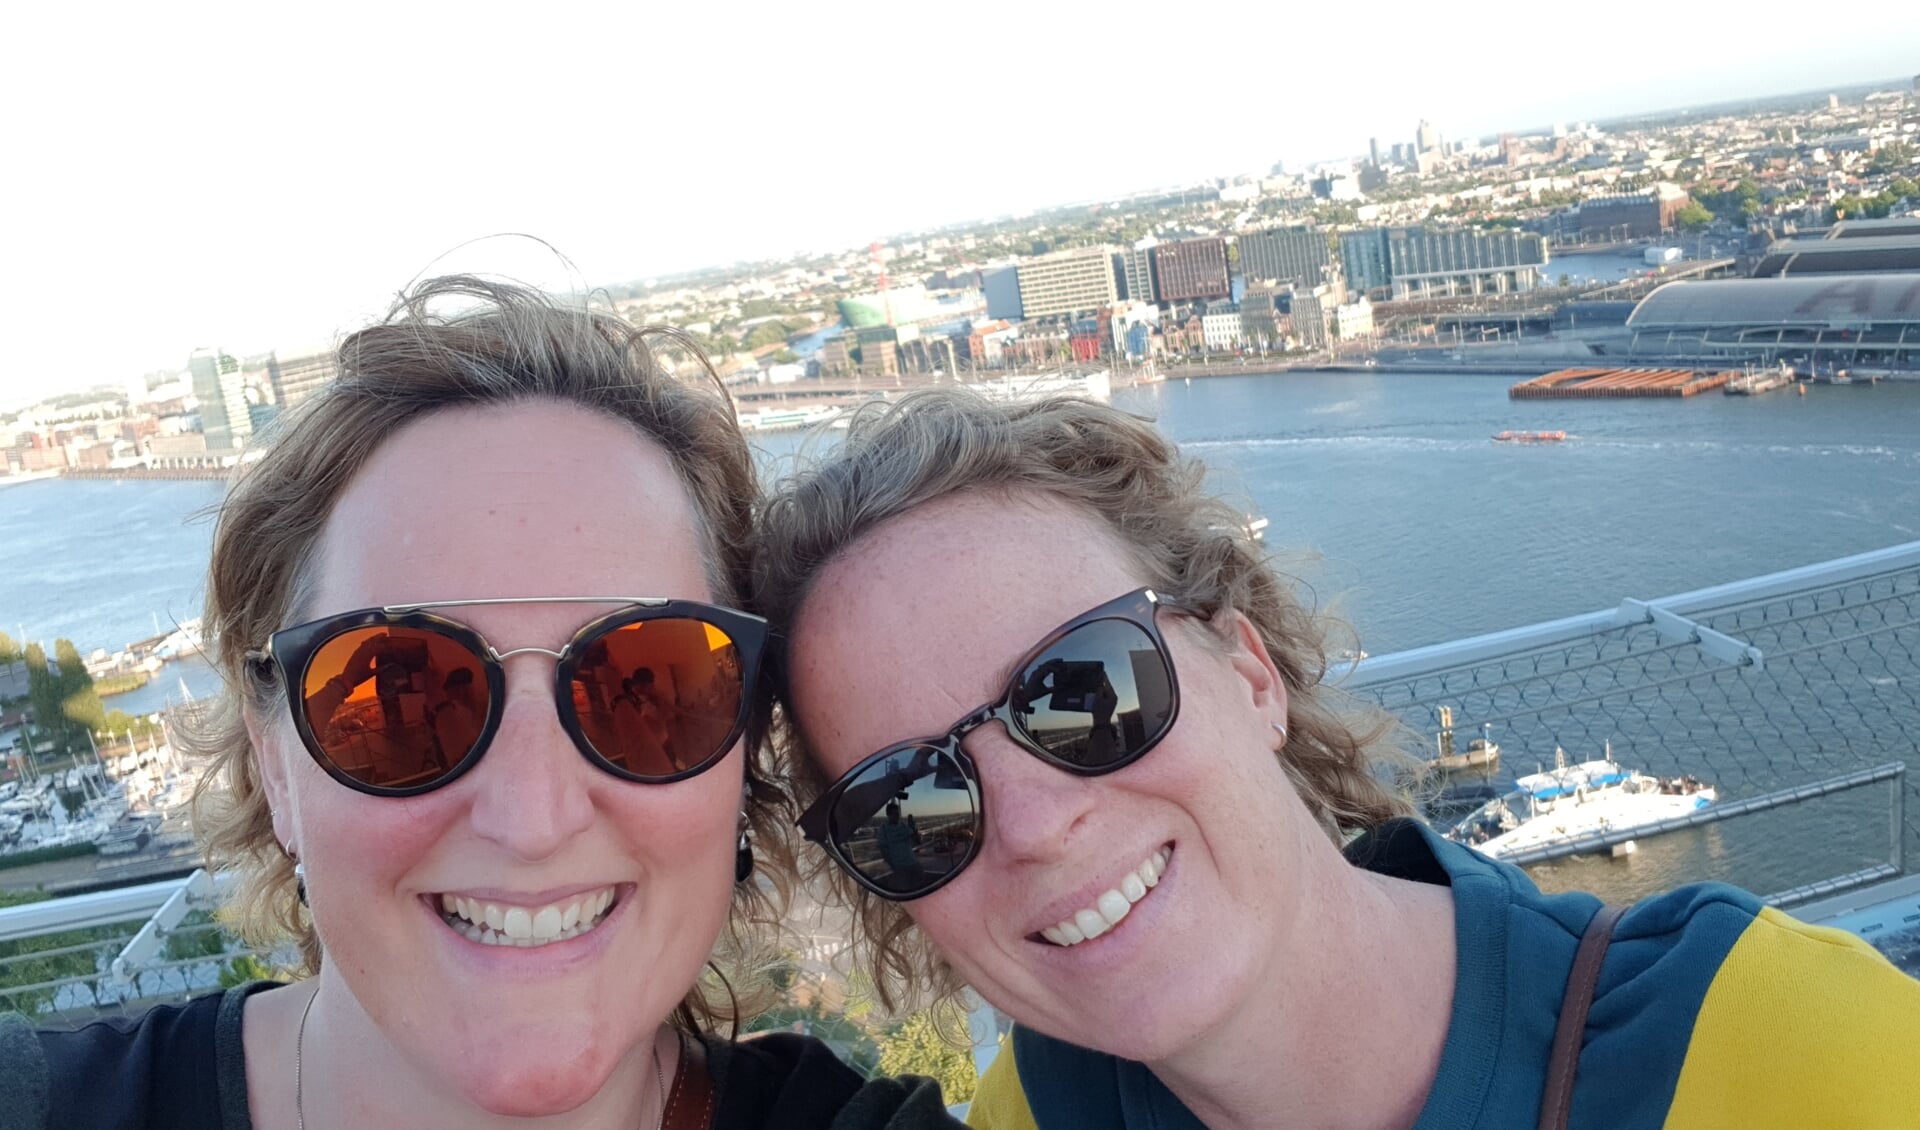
(916, 624)
(529, 499)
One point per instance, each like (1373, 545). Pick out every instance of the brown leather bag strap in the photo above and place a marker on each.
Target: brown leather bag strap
(1568, 1036)
(690, 1099)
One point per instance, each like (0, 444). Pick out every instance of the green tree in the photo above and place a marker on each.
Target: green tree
(915, 1047)
(766, 333)
(9, 650)
(244, 969)
(79, 702)
(19, 967)
(1694, 215)
(43, 698)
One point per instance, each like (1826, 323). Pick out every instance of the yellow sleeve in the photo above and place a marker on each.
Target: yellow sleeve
(998, 1102)
(1802, 1026)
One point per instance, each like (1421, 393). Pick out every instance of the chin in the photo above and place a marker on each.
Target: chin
(535, 1086)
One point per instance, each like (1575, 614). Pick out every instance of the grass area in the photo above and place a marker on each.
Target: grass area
(47, 855)
(108, 685)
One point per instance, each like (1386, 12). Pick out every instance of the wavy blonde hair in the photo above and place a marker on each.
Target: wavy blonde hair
(1188, 545)
(502, 344)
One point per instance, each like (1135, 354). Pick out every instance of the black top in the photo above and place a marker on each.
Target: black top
(183, 1067)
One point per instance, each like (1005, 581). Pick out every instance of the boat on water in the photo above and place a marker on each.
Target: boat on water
(1482, 754)
(786, 419)
(1570, 801)
(1529, 437)
(1016, 388)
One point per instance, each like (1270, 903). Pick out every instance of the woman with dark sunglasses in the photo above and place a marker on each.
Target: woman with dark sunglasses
(427, 596)
(1151, 834)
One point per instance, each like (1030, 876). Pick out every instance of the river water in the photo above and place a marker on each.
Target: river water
(1385, 491)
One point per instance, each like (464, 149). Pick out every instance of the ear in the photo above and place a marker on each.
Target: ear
(1247, 653)
(268, 761)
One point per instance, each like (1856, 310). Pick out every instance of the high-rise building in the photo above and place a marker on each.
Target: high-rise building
(299, 376)
(218, 385)
(1134, 267)
(1426, 138)
(1424, 263)
(1191, 269)
(1373, 151)
(1001, 286)
(1067, 282)
(1288, 255)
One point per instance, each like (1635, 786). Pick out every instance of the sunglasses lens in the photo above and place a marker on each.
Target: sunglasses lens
(659, 698)
(908, 821)
(395, 707)
(1099, 697)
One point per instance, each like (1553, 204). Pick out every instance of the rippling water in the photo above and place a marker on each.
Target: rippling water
(1409, 519)
(1413, 522)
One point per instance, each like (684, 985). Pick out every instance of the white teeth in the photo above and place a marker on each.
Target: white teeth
(492, 924)
(1112, 905)
(1091, 923)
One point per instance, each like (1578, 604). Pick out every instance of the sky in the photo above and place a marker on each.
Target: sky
(260, 176)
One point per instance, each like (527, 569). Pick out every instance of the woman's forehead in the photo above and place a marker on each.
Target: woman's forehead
(516, 500)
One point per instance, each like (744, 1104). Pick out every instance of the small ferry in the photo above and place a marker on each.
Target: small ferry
(1569, 801)
(1529, 437)
(786, 419)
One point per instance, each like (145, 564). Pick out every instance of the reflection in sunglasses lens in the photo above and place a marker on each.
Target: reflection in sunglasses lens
(659, 697)
(395, 707)
(908, 820)
(1098, 695)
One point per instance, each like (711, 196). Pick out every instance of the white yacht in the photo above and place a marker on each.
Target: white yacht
(1569, 801)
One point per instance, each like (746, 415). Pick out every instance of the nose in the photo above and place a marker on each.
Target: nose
(532, 787)
(1032, 809)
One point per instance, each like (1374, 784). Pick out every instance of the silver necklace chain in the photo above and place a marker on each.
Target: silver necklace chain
(300, 1054)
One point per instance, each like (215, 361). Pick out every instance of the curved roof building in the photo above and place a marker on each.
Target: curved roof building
(1869, 322)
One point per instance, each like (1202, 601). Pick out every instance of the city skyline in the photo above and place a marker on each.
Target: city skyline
(273, 204)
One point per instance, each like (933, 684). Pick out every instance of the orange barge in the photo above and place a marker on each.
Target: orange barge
(1582, 384)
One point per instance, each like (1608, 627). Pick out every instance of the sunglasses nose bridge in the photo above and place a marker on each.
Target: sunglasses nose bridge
(502, 656)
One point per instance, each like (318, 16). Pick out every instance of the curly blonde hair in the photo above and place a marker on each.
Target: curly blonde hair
(502, 344)
(1192, 547)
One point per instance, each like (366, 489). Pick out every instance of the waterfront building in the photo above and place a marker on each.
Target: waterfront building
(1220, 326)
(1002, 287)
(1313, 315)
(1352, 320)
(221, 390)
(986, 344)
(1087, 339)
(1816, 326)
(1842, 252)
(1134, 268)
(1191, 270)
(1297, 255)
(835, 358)
(1264, 321)
(1067, 282)
(1638, 215)
(300, 375)
(1132, 325)
(1418, 262)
